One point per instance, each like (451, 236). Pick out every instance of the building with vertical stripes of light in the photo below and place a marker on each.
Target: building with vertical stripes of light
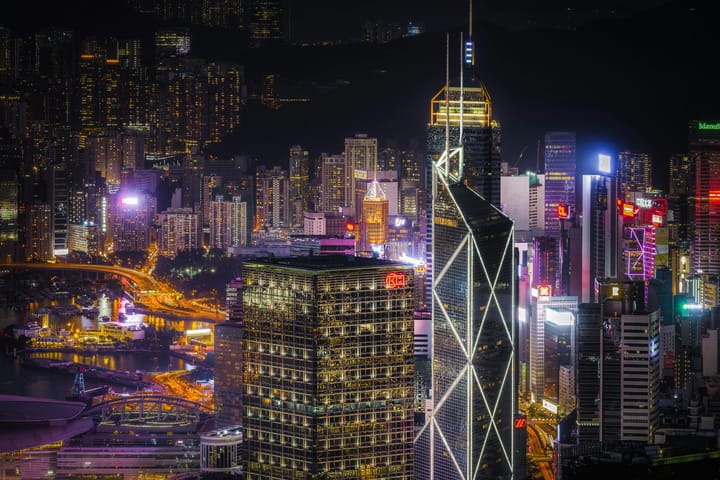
(469, 432)
(328, 368)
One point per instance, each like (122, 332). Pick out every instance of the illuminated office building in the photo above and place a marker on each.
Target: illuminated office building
(619, 370)
(545, 263)
(522, 199)
(471, 262)
(132, 219)
(84, 237)
(705, 196)
(601, 230)
(361, 155)
(374, 223)
(328, 368)
(299, 172)
(228, 371)
(633, 173)
(546, 308)
(335, 178)
(559, 353)
(559, 178)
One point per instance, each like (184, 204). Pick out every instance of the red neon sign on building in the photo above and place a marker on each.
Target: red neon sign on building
(395, 279)
(562, 211)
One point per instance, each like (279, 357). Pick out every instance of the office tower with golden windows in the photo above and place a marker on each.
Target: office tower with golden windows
(374, 224)
(328, 368)
(469, 433)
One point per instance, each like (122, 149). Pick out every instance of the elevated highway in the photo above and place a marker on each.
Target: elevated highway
(154, 294)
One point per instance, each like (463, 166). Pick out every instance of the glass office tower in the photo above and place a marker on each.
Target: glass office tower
(470, 432)
(328, 368)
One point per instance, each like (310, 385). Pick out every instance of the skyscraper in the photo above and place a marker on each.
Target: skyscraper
(633, 173)
(705, 196)
(299, 172)
(334, 178)
(469, 433)
(374, 224)
(328, 368)
(361, 155)
(560, 170)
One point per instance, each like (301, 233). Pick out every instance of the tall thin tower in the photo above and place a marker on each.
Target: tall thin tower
(468, 434)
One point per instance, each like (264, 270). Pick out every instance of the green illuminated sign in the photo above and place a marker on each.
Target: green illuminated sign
(709, 126)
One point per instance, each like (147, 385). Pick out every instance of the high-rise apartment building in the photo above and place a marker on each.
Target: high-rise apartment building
(272, 196)
(228, 223)
(328, 368)
(179, 231)
(39, 233)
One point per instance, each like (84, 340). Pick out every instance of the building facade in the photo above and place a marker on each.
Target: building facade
(328, 368)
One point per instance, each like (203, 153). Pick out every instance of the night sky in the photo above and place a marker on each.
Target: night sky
(627, 77)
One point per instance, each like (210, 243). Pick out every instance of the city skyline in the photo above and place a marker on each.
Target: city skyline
(622, 83)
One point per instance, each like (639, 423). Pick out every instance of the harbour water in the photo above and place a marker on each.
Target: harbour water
(17, 379)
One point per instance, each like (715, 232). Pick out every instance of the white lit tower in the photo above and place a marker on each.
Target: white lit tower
(468, 433)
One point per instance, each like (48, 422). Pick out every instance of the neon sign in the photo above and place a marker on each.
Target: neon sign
(562, 211)
(520, 422)
(629, 210)
(544, 291)
(709, 126)
(395, 279)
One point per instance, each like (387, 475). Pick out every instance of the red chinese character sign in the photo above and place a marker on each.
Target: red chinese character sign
(395, 279)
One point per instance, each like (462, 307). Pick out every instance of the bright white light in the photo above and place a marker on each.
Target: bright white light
(199, 331)
(561, 318)
(522, 315)
(129, 201)
(604, 163)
